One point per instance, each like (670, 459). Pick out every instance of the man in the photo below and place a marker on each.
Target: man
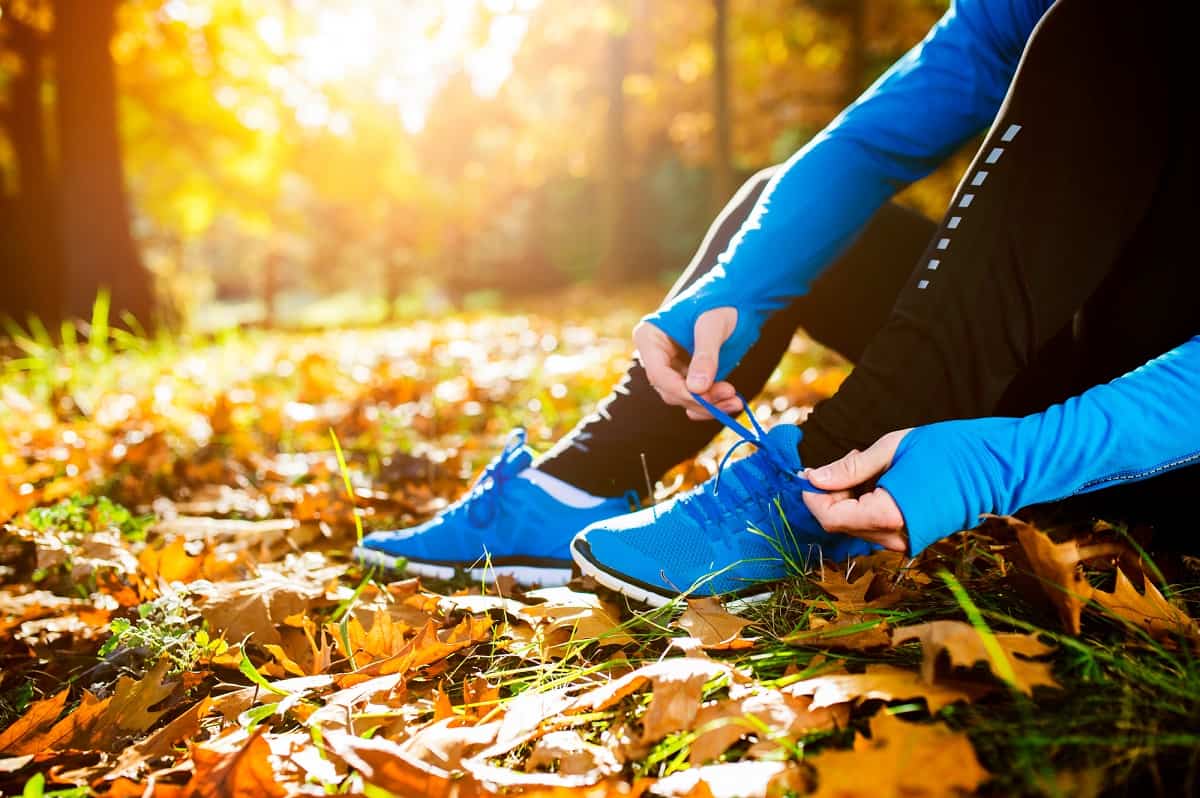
(981, 377)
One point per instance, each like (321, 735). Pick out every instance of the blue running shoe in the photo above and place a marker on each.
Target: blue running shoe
(731, 536)
(505, 524)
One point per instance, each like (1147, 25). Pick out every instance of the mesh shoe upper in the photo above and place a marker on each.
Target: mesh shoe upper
(746, 525)
(502, 517)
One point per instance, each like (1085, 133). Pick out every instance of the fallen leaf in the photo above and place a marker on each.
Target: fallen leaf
(720, 724)
(900, 760)
(255, 607)
(886, 683)
(584, 617)
(735, 780)
(965, 647)
(39, 717)
(567, 752)
(1057, 569)
(245, 772)
(850, 632)
(160, 743)
(707, 620)
(1148, 611)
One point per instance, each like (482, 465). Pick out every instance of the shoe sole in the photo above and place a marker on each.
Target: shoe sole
(641, 592)
(523, 573)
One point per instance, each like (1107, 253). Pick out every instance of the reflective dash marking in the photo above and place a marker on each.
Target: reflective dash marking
(979, 178)
(966, 201)
(923, 284)
(954, 222)
(943, 243)
(995, 154)
(1011, 133)
(933, 264)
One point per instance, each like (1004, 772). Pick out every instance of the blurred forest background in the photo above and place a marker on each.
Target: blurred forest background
(231, 161)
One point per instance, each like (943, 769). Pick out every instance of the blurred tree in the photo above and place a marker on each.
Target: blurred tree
(94, 230)
(68, 226)
(723, 178)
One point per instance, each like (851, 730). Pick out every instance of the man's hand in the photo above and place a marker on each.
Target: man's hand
(674, 377)
(853, 505)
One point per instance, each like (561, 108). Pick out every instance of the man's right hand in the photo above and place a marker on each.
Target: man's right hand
(676, 377)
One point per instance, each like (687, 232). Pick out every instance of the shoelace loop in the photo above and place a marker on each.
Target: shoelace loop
(489, 488)
(705, 502)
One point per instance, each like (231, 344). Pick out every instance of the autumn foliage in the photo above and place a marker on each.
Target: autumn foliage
(179, 615)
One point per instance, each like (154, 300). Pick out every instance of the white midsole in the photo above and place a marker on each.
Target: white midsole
(525, 575)
(656, 600)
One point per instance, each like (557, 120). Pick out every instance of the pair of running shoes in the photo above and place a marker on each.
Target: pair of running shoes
(732, 536)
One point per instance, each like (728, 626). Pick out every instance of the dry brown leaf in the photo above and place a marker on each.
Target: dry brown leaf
(886, 683)
(965, 647)
(255, 607)
(38, 718)
(677, 686)
(160, 743)
(171, 563)
(849, 595)
(446, 743)
(568, 753)
(900, 760)
(850, 632)
(582, 617)
(245, 772)
(1148, 611)
(720, 724)
(707, 620)
(103, 723)
(1056, 567)
(735, 780)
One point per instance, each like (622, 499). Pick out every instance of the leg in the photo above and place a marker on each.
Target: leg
(603, 454)
(1062, 184)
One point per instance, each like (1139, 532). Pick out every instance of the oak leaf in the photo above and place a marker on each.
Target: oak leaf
(744, 779)
(707, 620)
(900, 760)
(851, 631)
(720, 724)
(1149, 611)
(964, 647)
(255, 607)
(244, 772)
(883, 682)
(568, 753)
(1057, 568)
(39, 717)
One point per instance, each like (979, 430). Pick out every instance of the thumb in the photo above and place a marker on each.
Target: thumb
(711, 331)
(854, 469)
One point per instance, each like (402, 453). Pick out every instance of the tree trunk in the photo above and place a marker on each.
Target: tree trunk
(97, 245)
(723, 153)
(617, 262)
(29, 252)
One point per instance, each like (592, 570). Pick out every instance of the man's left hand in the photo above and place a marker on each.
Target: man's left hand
(853, 505)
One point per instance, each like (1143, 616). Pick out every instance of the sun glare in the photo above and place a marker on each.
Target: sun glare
(400, 52)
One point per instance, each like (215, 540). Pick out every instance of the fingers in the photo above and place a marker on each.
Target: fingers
(873, 516)
(656, 352)
(712, 329)
(857, 467)
(723, 396)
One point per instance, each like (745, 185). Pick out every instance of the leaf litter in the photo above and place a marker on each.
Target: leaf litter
(215, 639)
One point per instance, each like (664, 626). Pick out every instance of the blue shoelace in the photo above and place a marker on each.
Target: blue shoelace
(762, 477)
(489, 488)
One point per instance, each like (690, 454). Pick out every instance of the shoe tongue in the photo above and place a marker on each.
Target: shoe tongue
(518, 460)
(784, 440)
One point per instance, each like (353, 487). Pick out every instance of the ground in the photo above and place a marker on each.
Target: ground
(179, 614)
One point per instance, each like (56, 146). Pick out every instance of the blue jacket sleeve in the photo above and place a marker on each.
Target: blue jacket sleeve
(1142, 424)
(938, 95)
